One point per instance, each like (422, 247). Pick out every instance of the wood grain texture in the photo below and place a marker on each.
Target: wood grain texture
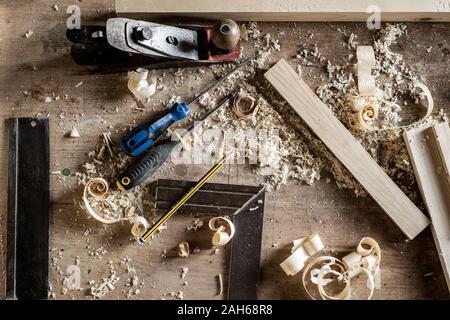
(287, 10)
(347, 149)
(432, 182)
(441, 135)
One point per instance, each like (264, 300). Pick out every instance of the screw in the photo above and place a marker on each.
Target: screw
(172, 40)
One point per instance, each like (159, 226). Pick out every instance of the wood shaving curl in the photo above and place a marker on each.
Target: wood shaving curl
(95, 191)
(224, 230)
(244, 106)
(302, 249)
(324, 270)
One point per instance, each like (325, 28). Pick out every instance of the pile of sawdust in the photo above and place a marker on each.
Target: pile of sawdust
(284, 155)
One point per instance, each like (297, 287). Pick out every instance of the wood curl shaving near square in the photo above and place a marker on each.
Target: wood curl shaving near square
(365, 260)
(224, 231)
(98, 189)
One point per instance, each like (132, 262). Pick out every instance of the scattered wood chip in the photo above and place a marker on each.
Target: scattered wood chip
(141, 84)
(74, 133)
(28, 34)
(183, 249)
(183, 272)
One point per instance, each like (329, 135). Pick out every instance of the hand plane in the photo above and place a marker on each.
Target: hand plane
(124, 44)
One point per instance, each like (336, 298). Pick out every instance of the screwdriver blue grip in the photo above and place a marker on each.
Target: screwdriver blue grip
(143, 137)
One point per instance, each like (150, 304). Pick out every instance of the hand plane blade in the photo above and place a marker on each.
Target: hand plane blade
(152, 39)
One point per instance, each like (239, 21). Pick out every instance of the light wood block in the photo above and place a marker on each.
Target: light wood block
(441, 135)
(431, 178)
(287, 10)
(347, 149)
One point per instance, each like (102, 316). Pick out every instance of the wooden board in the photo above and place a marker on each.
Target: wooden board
(433, 187)
(345, 147)
(287, 10)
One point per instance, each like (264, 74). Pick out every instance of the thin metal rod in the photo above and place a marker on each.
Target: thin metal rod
(228, 98)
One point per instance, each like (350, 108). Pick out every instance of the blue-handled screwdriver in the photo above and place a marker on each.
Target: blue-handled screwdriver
(143, 137)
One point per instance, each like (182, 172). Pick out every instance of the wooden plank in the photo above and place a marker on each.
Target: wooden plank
(347, 149)
(433, 188)
(286, 10)
(441, 134)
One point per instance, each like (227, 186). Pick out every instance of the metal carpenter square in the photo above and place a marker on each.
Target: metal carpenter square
(246, 249)
(28, 209)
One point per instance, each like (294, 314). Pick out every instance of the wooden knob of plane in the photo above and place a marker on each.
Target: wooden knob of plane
(225, 35)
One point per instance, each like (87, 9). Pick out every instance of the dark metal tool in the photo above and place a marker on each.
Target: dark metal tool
(125, 43)
(246, 206)
(151, 161)
(28, 209)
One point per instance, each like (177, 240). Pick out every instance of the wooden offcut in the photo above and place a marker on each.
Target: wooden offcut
(441, 135)
(287, 10)
(424, 147)
(347, 149)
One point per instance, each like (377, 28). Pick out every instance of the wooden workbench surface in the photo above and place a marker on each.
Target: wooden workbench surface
(409, 270)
